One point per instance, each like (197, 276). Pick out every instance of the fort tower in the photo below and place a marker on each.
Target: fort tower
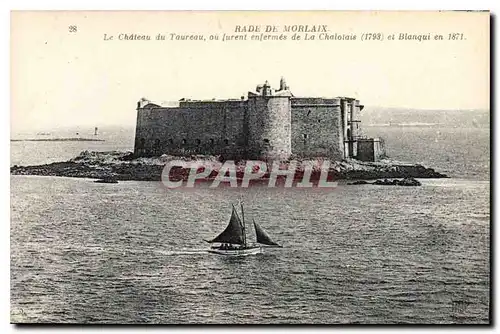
(269, 123)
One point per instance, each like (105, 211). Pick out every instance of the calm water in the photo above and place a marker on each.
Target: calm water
(133, 252)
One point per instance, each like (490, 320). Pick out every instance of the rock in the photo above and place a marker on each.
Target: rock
(409, 182)
(128, 157)
(358, 182)
(384, 182)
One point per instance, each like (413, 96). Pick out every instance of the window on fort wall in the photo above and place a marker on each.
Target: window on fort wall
(211, 141)
(170, 141)
(184, 142)
(266, 141)
(156, 147)
(142, 143)
(226, 141)
(198, 142)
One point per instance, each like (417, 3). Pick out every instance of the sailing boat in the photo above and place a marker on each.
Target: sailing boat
(233, 240)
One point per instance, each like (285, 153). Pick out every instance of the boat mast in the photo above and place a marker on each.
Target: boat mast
(244, 227)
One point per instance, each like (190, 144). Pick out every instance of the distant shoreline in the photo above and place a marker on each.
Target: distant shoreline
(58, 139)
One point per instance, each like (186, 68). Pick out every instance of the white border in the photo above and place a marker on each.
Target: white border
(250, 5)
(8, 5)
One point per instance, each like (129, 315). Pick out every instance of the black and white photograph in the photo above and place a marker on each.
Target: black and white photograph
(250, 167)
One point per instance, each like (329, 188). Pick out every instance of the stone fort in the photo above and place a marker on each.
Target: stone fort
(267, 124)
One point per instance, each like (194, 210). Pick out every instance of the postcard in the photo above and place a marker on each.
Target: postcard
(250, 167)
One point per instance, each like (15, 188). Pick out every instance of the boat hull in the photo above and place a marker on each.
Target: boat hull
(236, 252)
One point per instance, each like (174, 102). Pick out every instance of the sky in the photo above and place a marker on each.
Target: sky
(61, 78)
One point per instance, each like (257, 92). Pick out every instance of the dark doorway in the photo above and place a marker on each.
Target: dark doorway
(350, 145)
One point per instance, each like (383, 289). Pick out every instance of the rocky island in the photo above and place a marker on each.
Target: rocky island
(124, 166)
(268, 125)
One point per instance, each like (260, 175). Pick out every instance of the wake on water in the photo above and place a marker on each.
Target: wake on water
(184, 252)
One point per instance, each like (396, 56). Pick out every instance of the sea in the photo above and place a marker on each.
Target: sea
(133, 252)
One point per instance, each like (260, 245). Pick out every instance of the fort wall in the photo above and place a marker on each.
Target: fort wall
(192, 128)
(317, 128)
(267, 125)
(371, 149)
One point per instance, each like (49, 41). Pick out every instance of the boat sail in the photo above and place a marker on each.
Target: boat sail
(263, 237)
(233, 234)
(233, 240)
